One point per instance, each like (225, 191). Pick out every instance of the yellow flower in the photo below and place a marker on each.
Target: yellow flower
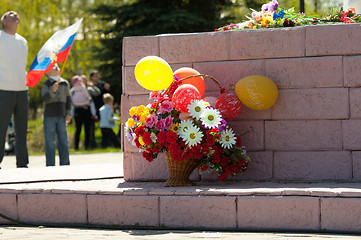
(140, 109)
(140, 139)
(131, 122)
(132, 111)
(267, 21)
(175, 127)
(143, 117)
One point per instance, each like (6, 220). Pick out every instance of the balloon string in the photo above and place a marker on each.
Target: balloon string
(204, 75)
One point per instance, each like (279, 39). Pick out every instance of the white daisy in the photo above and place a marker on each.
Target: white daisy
(211, 117)
(184, 125)
(153, 136)
(196, 107)
(227, 139)
(192, 136)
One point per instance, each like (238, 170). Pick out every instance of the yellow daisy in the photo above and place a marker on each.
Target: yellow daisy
(175, 127)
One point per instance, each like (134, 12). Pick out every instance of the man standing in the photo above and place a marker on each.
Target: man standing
(98, 100)
(13, 89)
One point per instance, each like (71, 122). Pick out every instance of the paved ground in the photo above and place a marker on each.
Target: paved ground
(75, 159)
(40, 233)
(110, 165)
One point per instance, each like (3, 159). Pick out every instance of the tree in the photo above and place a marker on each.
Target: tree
(40, 19)
(150, 17)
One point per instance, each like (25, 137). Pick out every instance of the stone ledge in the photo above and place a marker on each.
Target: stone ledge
(211, 205)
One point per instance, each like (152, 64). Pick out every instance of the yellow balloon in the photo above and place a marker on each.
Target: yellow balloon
(153, 73)
(257, 92)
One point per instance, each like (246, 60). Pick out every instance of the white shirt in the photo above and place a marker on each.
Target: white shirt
(13, 58)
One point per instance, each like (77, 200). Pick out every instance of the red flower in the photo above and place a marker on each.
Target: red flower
(155, 149)
(139, 130)
(137, 143)
(148, 156)
(161, 137)
(210, 140)
(146, 138)
(351, 12)
(223, 176)
(216, 158)
(224, 161)
(172, 137)
(203, 167)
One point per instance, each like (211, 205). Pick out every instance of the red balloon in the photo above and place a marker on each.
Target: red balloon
(229, 105)
(198, 82)
(183, 96)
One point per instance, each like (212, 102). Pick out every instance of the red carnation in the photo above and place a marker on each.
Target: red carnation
(155, 149)
(203, 167)
(216, 158)
(137, 143)
(139, 130)
(172, 137)
(146, 138)
(148, 156)
(223, 176)
(224, 161)
(161, 137)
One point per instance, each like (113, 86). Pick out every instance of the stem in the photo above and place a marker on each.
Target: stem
(204, 75)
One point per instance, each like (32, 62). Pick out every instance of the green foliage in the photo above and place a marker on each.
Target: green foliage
(149, 17)
(39, 20)
(36, 142)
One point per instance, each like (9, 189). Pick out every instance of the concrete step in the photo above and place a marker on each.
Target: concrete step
(260, 206)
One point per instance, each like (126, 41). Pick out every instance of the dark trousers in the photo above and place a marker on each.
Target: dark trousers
(109, 135)
(82, 117)
(15, 102)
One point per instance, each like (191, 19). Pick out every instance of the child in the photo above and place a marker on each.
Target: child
(107, 121)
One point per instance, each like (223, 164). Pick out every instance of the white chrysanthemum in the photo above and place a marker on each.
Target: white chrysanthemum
(134, 136)
(128, 132)
(211, 117)
(196, 108)
(227, 139)
(153, 136)
(184, 125)
(192, 136)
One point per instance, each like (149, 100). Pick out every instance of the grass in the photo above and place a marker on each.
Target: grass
(36, 141)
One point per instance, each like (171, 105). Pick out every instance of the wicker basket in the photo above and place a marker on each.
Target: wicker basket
(179, 171)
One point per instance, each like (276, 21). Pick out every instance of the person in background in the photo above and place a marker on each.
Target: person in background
(93, 92)
(82, 113)
(103, 87)
(13, 89)
(57, 113)
(107, 122)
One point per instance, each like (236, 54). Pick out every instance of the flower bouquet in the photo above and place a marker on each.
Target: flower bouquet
(196, 137)
(272, 16)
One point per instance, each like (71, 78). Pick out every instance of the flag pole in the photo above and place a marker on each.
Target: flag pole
(62, 69)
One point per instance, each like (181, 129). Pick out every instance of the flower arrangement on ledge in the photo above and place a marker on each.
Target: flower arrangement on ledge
(272, 16)
(179, 122)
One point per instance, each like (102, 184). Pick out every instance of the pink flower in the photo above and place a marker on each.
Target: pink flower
(168, 122)
(151, 120)
(160, 125)
(166, 106)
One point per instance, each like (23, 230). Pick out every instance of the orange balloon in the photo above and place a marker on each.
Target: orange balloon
(198, 82)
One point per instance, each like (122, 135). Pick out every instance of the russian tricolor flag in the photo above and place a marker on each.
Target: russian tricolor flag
(55, 50)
